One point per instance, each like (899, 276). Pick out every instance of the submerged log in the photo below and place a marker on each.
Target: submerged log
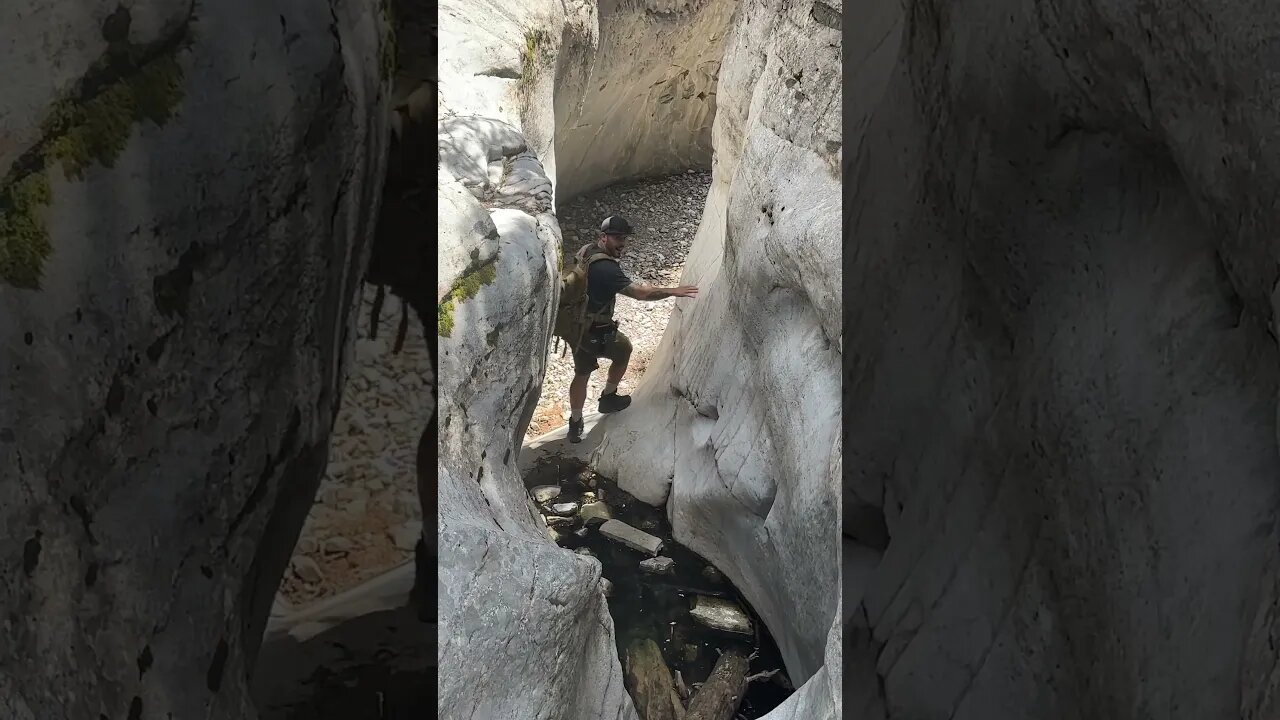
(720, 695)
(650, 683)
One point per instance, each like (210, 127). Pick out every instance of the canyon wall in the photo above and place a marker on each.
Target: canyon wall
(187, 201)
(508, 596)
(736, 425)
(536, 101)
(1061, 265)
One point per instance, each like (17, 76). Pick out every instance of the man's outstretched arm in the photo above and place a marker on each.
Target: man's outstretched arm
(649, 293)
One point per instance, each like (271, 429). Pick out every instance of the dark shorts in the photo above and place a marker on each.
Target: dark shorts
(607, 343)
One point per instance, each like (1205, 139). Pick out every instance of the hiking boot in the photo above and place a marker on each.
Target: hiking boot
(575, 430)
(613, 402)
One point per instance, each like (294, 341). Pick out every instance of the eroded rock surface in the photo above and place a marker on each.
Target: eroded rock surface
(1061, 263)
(501, 577)
(187, 195)
(532, 69)
(508, 597)
(746, 382)
(601, 91)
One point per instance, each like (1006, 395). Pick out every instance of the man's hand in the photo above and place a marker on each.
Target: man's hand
(688, 291)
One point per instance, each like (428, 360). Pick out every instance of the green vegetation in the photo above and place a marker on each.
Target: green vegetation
(467, 287)
(98, 130)
(76, 135)
(24, 238)
(534, 41)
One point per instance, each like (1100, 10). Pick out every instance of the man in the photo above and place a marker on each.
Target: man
(605, 280)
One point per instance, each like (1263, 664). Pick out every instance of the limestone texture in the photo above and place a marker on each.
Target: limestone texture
(736, 424)
(1062, 271)
(170, 370)
(509, 597)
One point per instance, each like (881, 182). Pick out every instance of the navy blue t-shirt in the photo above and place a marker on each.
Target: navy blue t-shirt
(605, 279)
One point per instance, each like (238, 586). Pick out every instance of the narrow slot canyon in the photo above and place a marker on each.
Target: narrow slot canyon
(1057, 276)
(683, 557)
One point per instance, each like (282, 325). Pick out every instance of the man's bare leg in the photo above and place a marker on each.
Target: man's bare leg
(617, 369)
(577, 398)
(578, 394)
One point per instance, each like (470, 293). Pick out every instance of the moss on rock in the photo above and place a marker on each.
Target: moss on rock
(97, 131)
(24, 238)
(77, 134)
(467, 287)
(535, 40)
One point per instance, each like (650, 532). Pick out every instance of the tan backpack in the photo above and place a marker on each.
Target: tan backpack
(572, 319)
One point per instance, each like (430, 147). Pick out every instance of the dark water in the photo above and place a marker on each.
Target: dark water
(657, 606)
(379, 666)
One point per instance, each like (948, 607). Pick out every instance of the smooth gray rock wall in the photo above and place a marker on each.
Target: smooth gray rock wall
(1060, 263)
(746, 383)
(169, 368)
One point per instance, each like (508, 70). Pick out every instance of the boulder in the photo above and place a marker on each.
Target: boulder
(187, 200)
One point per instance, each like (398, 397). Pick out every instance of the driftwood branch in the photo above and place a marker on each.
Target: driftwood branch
(720, 695)
(766, 675)
(659, 696)
(682, 688)
(649, 681)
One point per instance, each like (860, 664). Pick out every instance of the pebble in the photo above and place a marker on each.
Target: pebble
(621, 532)
(565, 508)
(338, 546)
(666, 212)
(349, 493)
(722, 615)
(545, 493)
(406, 536)
(594, 513)
(307, 569)
(658, 566)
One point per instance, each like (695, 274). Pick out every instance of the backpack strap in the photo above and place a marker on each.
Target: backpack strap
(587, 262)
(587, 258)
